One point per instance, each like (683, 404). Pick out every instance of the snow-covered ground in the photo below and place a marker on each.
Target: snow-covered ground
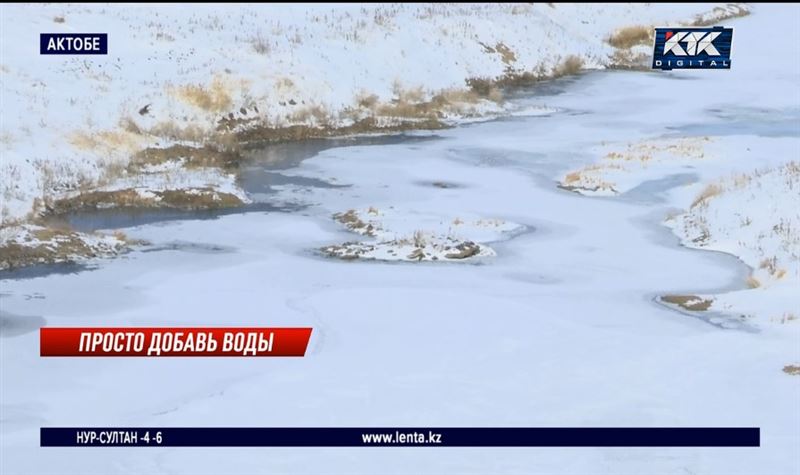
(174, 75)
(560, 327)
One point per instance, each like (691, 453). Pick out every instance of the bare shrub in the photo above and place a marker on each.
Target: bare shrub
(260, 45)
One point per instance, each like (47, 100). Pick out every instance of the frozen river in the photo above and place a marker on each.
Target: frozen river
(559, 329)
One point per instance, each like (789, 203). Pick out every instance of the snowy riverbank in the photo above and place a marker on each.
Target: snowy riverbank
(222, 75)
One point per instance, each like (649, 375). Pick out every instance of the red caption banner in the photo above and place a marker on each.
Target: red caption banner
(211, 341)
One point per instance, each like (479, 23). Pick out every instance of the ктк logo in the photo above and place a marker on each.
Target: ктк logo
(692, 48)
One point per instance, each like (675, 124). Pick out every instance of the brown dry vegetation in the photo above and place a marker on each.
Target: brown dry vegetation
(193, 157)
(631, 36)
(172, 130)
(415, 105)
(189, 199)
(107, 142)
(570, 66)
(752, 282)
(198, 198)
(260, 134)
(506, 54)
(688, 302)
(709, 192)
(486, 87)
(58, 245)
(352, 222)
(792, 369)
(587, 179)
(626, 59)
(212, 98)
(464, 250)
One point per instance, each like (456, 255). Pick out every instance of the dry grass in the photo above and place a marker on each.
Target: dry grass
(352, 222)
(626, 59)
(263, 134)
(571, 65)
(709, 192)
(192, 157)
(189, 199)
(588, 178)
(481, 86)
(172, 130)
(572, 178)
(752, 282)
(58, 244)
(506, 54)
(792, 369)
(107, 143)
(212, 98)
(631, 36)
(198, 198)
(688, 302)
(484, 87)
(464, 250)
(312, 115)
(367, 101)
(419, 239)
(127, 198)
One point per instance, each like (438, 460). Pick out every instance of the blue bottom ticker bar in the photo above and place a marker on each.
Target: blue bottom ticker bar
(400, 436)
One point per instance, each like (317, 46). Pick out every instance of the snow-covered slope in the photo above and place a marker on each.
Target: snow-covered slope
(191, 75)
(756, 217)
